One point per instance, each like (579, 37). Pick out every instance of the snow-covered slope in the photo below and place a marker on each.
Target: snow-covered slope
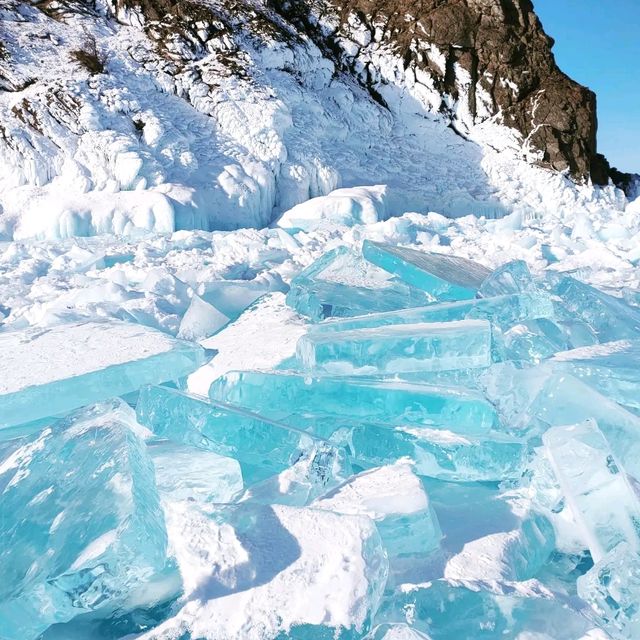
(224, 116)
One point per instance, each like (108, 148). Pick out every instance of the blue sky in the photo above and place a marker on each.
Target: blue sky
(598, 44)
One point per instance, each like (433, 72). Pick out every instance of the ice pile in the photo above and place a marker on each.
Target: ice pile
(453, 452)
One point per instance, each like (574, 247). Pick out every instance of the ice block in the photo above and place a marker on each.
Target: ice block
(342, 284)
(443, 277)
(262, 446)
(392, 349)
(290, 397)
(81, 528)
(57, 369)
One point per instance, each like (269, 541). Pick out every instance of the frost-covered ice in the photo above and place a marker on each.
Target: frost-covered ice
(257, 560)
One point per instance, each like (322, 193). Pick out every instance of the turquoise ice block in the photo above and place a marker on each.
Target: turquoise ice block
(613, 368)
(609, 317)
(395, 499)
(439, 453)
(595, 486)
(342, 284)
(81, 528)
(313, 474)
(57, 369)
(185, 472)
(509, 278)
(612, 588)
(501, 311)
(534, 340)
(544, 399)
(446, 611)
(299, 400)
(442, 277)
(262, 446)
(403, 348)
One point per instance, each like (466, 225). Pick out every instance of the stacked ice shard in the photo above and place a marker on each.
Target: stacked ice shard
(453, 452)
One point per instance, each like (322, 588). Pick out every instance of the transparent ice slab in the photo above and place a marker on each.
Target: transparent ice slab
(446, 612)
(506, 556)
(81, 528)
(342, 284)
(313, 474)
(64, 367)
(501, 311)
(612, 588)
(596, 488)
(609, 317)
(394, 498)
(262, 446)
(443, 277)
(512, 277)
(391, 349)
(291, 397)
(613, 368)
(535, 340)
(539, 399)
(185, 472)
(439, 453)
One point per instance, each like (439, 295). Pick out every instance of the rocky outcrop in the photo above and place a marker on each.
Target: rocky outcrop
(492, 54)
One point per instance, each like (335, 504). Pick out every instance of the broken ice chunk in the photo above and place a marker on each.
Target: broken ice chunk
(439, 453)
(613, 368)
(513, 556)
(232, 297)
(262, 446)
(81, 529)
(403, 348)
(611, 318)
(258, 571)
(201, 320)
(612, 588)
(534, 340)
(563, 399)
(502, 311)
(395, 499)
(343, 284)
(443, 277)
(186, 473)
(67, 366)
(445, 612)
(512, 277)
(291, 397)
(395, 632)
(313, 474)
(599, 495)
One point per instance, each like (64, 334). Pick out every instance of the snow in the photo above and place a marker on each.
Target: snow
(393, 489)
(330, 558)
(72, 350)
(359, 205)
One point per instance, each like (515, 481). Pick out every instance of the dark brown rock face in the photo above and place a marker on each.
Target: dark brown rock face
(502, 46)
(510, 73)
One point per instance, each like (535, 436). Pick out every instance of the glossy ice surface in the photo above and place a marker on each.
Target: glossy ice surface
(81, 528)
(595, 486)
(464, 344)
(443, 277)
(298, 399)
(67, 366)
(342, 284)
